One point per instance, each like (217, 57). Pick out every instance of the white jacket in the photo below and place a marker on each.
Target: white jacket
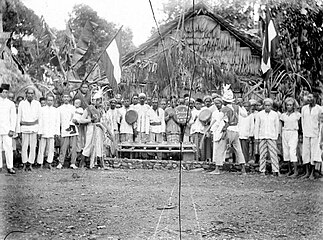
(8, 116)
(49, 123)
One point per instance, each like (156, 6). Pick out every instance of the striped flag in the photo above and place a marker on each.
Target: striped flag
(111, 60)
(270, 34)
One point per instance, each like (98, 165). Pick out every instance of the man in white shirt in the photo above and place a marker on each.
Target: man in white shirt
(143, 121)
(231, 130)
(206, 151)
(197, 127)
(290, 125)
(246, 129)
(311, 142)
(49, 128)
(7, 127)
(266, 131)
(68, 139)
(27, 126)
(113, 117)
(157, 122)
(135, 101)
(126, 130)
(216, 127)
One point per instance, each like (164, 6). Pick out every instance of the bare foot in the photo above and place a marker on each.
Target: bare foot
(287, 174)
(294, 175)
(312, 177)
(215, 172)
(243, 172)
(262, 174)
(305, 176)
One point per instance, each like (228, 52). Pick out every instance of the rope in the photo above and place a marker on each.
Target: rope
(163, 46)
(183, 132)
(17, 231)
(186, 123)
(196, 217)
(161, 214)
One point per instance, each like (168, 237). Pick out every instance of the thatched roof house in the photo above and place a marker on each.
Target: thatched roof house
(222, 54)
(12, 72)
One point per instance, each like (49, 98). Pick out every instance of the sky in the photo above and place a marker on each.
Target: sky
(135, 14)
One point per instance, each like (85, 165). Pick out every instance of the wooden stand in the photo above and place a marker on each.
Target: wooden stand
(188, 149)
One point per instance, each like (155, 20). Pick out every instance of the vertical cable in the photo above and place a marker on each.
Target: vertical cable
(163, 46)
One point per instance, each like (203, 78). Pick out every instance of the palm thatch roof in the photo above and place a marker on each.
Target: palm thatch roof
(200, 9)
(201, 40)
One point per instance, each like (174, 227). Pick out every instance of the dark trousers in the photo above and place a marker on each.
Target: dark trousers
(245, 148)
(206, 151)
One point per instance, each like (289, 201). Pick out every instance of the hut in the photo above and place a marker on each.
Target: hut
(11, 70)
(198, 50)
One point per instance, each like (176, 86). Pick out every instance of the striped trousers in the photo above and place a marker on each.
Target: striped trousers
(268, 146)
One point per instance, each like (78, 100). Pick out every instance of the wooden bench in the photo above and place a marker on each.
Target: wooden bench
(162, 150)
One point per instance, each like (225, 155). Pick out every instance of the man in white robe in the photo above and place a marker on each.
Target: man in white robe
(143, 121)
(7, 127)
(311, 137)
(157, 122)
(113, 117)
(27, 126)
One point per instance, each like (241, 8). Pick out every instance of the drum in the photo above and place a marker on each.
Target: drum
(205, 116)
(183, 115)
(131, 116)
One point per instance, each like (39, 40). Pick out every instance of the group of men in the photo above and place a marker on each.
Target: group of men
(87, 128)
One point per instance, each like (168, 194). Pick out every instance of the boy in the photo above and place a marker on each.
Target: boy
(246, 129)
(76, 116)
(48, 128)
(197, 127)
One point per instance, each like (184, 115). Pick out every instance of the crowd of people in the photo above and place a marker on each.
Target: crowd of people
(85, 129)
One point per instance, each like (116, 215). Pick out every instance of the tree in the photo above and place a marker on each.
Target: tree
(301, 39)
(238, 12)
(103, 33)
(22, 22)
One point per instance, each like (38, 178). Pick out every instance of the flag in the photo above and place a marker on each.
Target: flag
(111, 60)
(84, 41)
(47, 34)
(69, 35)
(268, 45)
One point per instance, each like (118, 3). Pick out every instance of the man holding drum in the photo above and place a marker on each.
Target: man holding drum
(126, 127)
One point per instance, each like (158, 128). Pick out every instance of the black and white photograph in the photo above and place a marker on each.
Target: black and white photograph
(161, 119)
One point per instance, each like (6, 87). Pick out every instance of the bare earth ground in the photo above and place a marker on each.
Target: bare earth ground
(122, 204)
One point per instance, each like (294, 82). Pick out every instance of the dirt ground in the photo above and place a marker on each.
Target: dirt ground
(123, 204)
